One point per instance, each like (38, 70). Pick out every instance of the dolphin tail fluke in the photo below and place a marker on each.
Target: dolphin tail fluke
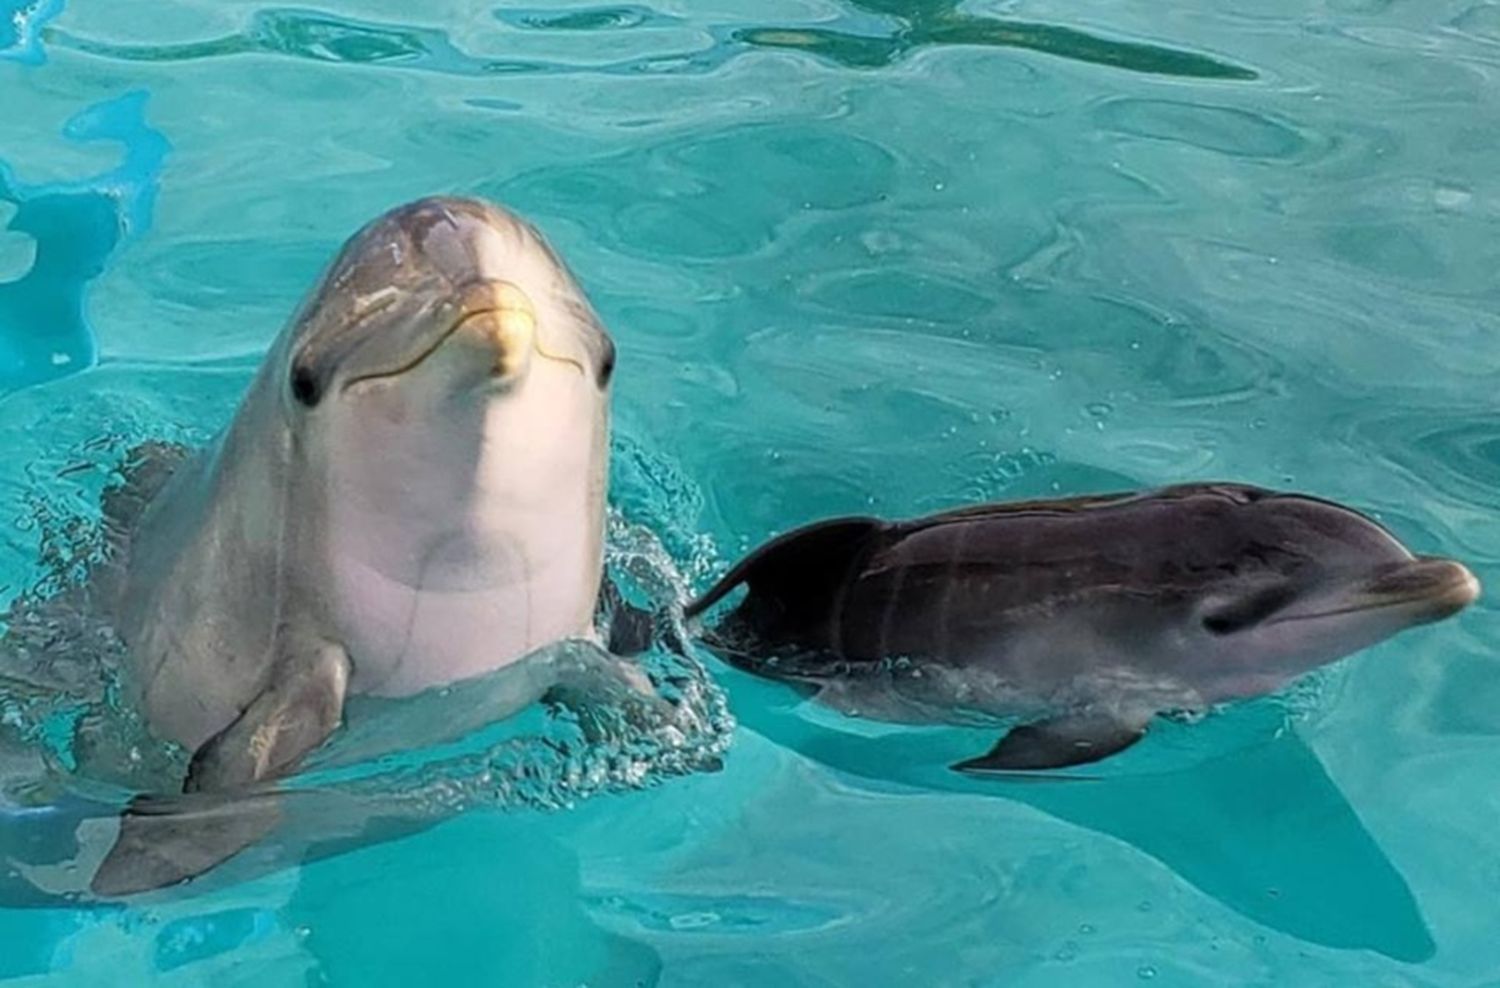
(1071, 739)
(167, 841)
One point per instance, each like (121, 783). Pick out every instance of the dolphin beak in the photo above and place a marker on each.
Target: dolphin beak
(1434, 588)
(1422, 590)
(500, 316)
(505, 317)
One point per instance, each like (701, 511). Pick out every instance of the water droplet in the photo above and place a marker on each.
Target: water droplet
(1145, 972)
(1085, 928)
(1067, 952)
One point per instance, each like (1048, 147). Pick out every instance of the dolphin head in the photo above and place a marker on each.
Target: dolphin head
(444, 393)
(1316, 582)
(436, 300)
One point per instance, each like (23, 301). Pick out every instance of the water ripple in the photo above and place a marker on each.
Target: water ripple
(618, 18)
(20, 26)
(916, 24)
(57, 237)
(326, 37)
(1225, 129)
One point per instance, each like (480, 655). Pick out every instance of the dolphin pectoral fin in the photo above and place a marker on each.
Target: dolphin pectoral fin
(294, 714)
(608, 695)
(628, 630)
(1072, 739)
(165, 841)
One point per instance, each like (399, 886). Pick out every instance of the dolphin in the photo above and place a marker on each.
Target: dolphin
(411, 493)
(1082, 618)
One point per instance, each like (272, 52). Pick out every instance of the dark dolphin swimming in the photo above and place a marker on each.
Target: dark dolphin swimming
(1083, 618)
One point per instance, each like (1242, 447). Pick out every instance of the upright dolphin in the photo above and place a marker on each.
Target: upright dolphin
(411, 493)
(1084, 617)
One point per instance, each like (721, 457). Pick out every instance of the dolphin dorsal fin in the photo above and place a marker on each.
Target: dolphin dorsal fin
(811, 562)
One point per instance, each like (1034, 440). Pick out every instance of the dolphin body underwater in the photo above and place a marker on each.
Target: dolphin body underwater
(1084, 618)
(411, 493)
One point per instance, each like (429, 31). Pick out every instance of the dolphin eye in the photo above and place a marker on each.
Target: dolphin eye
(1222, 624)
(1249, 610)
(305, 386)
(607, 362)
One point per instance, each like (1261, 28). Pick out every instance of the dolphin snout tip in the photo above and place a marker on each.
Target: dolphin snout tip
(1469, 587)
(1452, 585)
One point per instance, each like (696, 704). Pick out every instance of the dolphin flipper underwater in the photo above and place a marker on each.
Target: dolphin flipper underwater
(410, 494)
(1085, 618)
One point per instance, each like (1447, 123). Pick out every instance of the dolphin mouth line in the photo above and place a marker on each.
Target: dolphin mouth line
(525, 309)
(1453, 594)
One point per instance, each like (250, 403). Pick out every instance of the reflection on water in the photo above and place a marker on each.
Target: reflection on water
(911, 25)
(20, 25)
(56, 237)
(309, 35)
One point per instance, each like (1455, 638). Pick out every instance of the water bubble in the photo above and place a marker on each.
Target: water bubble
(1145, 972)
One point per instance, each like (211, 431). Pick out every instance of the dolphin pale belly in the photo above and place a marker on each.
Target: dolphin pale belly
(1083, 617)
(411, 493)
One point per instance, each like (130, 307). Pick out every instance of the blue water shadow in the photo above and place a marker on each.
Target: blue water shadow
(76, 226)
(1260, 826)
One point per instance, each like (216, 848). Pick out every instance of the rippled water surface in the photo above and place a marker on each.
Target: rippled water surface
(870, 255)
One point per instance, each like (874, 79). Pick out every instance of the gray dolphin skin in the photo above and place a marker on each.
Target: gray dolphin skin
(1084, 618)
(411, 493)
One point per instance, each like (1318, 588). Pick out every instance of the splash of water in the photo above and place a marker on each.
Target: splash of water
(63, 701)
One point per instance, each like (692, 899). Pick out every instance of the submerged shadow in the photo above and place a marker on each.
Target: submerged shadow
(901, 27)
(364, 879)
(1262, 829)
(71, 229)
(510, 910)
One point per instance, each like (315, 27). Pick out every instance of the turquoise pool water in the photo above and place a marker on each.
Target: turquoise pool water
(881, 255)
